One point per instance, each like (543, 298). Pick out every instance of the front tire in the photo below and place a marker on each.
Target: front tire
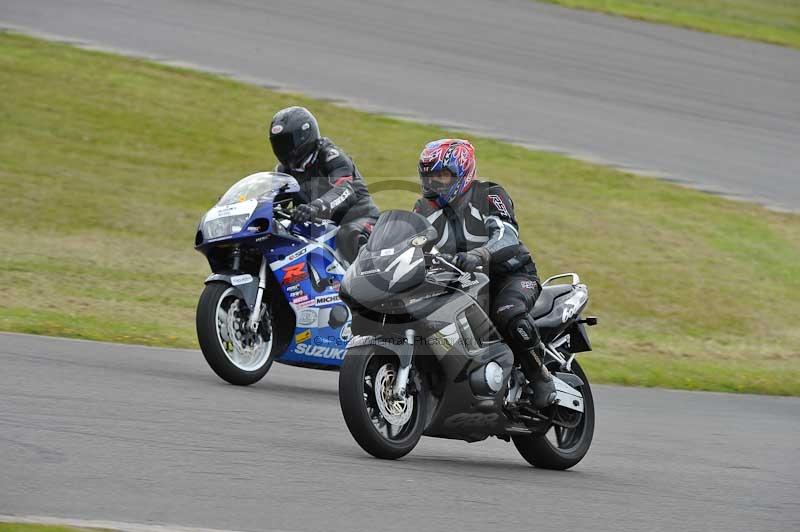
(383, 427)
(570, 445)
(237, 355)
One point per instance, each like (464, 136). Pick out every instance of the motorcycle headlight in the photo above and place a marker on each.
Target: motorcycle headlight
(224, 220)
(224, 226)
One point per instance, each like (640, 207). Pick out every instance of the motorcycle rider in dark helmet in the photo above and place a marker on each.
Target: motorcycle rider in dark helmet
(330, 184)
(476, 224)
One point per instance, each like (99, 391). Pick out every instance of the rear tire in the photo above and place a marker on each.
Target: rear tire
(541, 452)
(220, 352)
(357, 397)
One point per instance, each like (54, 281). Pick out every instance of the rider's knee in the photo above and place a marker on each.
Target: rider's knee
(521, 329)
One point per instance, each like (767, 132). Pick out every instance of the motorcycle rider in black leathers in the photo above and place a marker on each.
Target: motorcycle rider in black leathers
(330, 184)
(476, 224)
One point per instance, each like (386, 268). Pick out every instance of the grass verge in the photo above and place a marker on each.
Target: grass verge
(772, 21)
(107, 163)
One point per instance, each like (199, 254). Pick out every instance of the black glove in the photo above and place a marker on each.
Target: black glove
(469, 261)
(307, 212)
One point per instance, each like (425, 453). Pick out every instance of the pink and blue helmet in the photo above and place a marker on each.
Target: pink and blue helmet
(455, 155)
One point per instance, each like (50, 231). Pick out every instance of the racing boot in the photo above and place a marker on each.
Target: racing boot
(541, 387)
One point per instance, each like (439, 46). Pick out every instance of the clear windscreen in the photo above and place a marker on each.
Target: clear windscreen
(258, 186)
(233, 210)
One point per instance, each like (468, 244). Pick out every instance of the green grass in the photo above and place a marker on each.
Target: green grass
(772, 21)
(107, 163)
(20, 527)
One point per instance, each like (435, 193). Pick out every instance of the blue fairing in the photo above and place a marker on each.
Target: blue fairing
(301, 258)
(310, 279)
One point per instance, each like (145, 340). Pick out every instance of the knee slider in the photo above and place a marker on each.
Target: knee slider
(522, 330)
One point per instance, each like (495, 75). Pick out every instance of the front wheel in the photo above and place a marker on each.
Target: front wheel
(564, 445)
(385, 426)
(235, 353)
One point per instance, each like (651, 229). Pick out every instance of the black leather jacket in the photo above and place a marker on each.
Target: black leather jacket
(482, 217)
(330, 175)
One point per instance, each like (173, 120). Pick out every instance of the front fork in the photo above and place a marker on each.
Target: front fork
(406, 356)
(255, 315)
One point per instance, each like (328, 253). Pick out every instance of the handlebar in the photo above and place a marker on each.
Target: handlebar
(288, 213)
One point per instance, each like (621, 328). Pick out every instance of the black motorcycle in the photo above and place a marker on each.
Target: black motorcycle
(425, 357)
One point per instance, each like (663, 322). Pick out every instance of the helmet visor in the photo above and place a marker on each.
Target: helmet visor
(283, 146)
(437, 181)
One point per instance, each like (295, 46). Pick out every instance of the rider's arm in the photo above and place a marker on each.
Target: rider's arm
(341, 171)
(497, 212)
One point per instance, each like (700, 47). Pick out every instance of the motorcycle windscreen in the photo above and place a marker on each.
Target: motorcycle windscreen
(235, 207)
(393, 259)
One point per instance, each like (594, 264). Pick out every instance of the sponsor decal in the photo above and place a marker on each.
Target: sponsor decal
(235, 209)
(505, 307)
(498, 203)
(325, 300)
(332, 154)
(386, 252)
(294, 289)
(320, 351)
(277, 128)
(236, 280)
(307, 317)
(370, 272)
(300, 299)
(303, 304)
(302, 337)
(341, 199)
(295, 273)
(299, 253)
(528, 285)
(346, 333)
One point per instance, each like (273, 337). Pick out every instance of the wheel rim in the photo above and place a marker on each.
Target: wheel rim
(392, 417)
(245, 349)
(567, 439)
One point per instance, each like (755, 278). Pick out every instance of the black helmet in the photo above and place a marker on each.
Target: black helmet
(293, 134)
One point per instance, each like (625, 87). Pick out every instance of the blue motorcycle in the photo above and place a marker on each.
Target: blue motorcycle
(273, 294)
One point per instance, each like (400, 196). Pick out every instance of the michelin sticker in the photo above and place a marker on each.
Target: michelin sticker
(326, 300)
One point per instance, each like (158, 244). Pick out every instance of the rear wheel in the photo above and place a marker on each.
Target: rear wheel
(562, 446)
(383, 425)
(235, 352)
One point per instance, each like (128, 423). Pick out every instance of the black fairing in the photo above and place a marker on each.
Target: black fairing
(389, 263)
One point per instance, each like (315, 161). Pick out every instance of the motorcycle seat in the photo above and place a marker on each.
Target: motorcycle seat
(547, 299)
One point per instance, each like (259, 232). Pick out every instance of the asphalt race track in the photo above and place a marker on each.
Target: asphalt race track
(144, 435)
(720, 113)
(136, 434)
